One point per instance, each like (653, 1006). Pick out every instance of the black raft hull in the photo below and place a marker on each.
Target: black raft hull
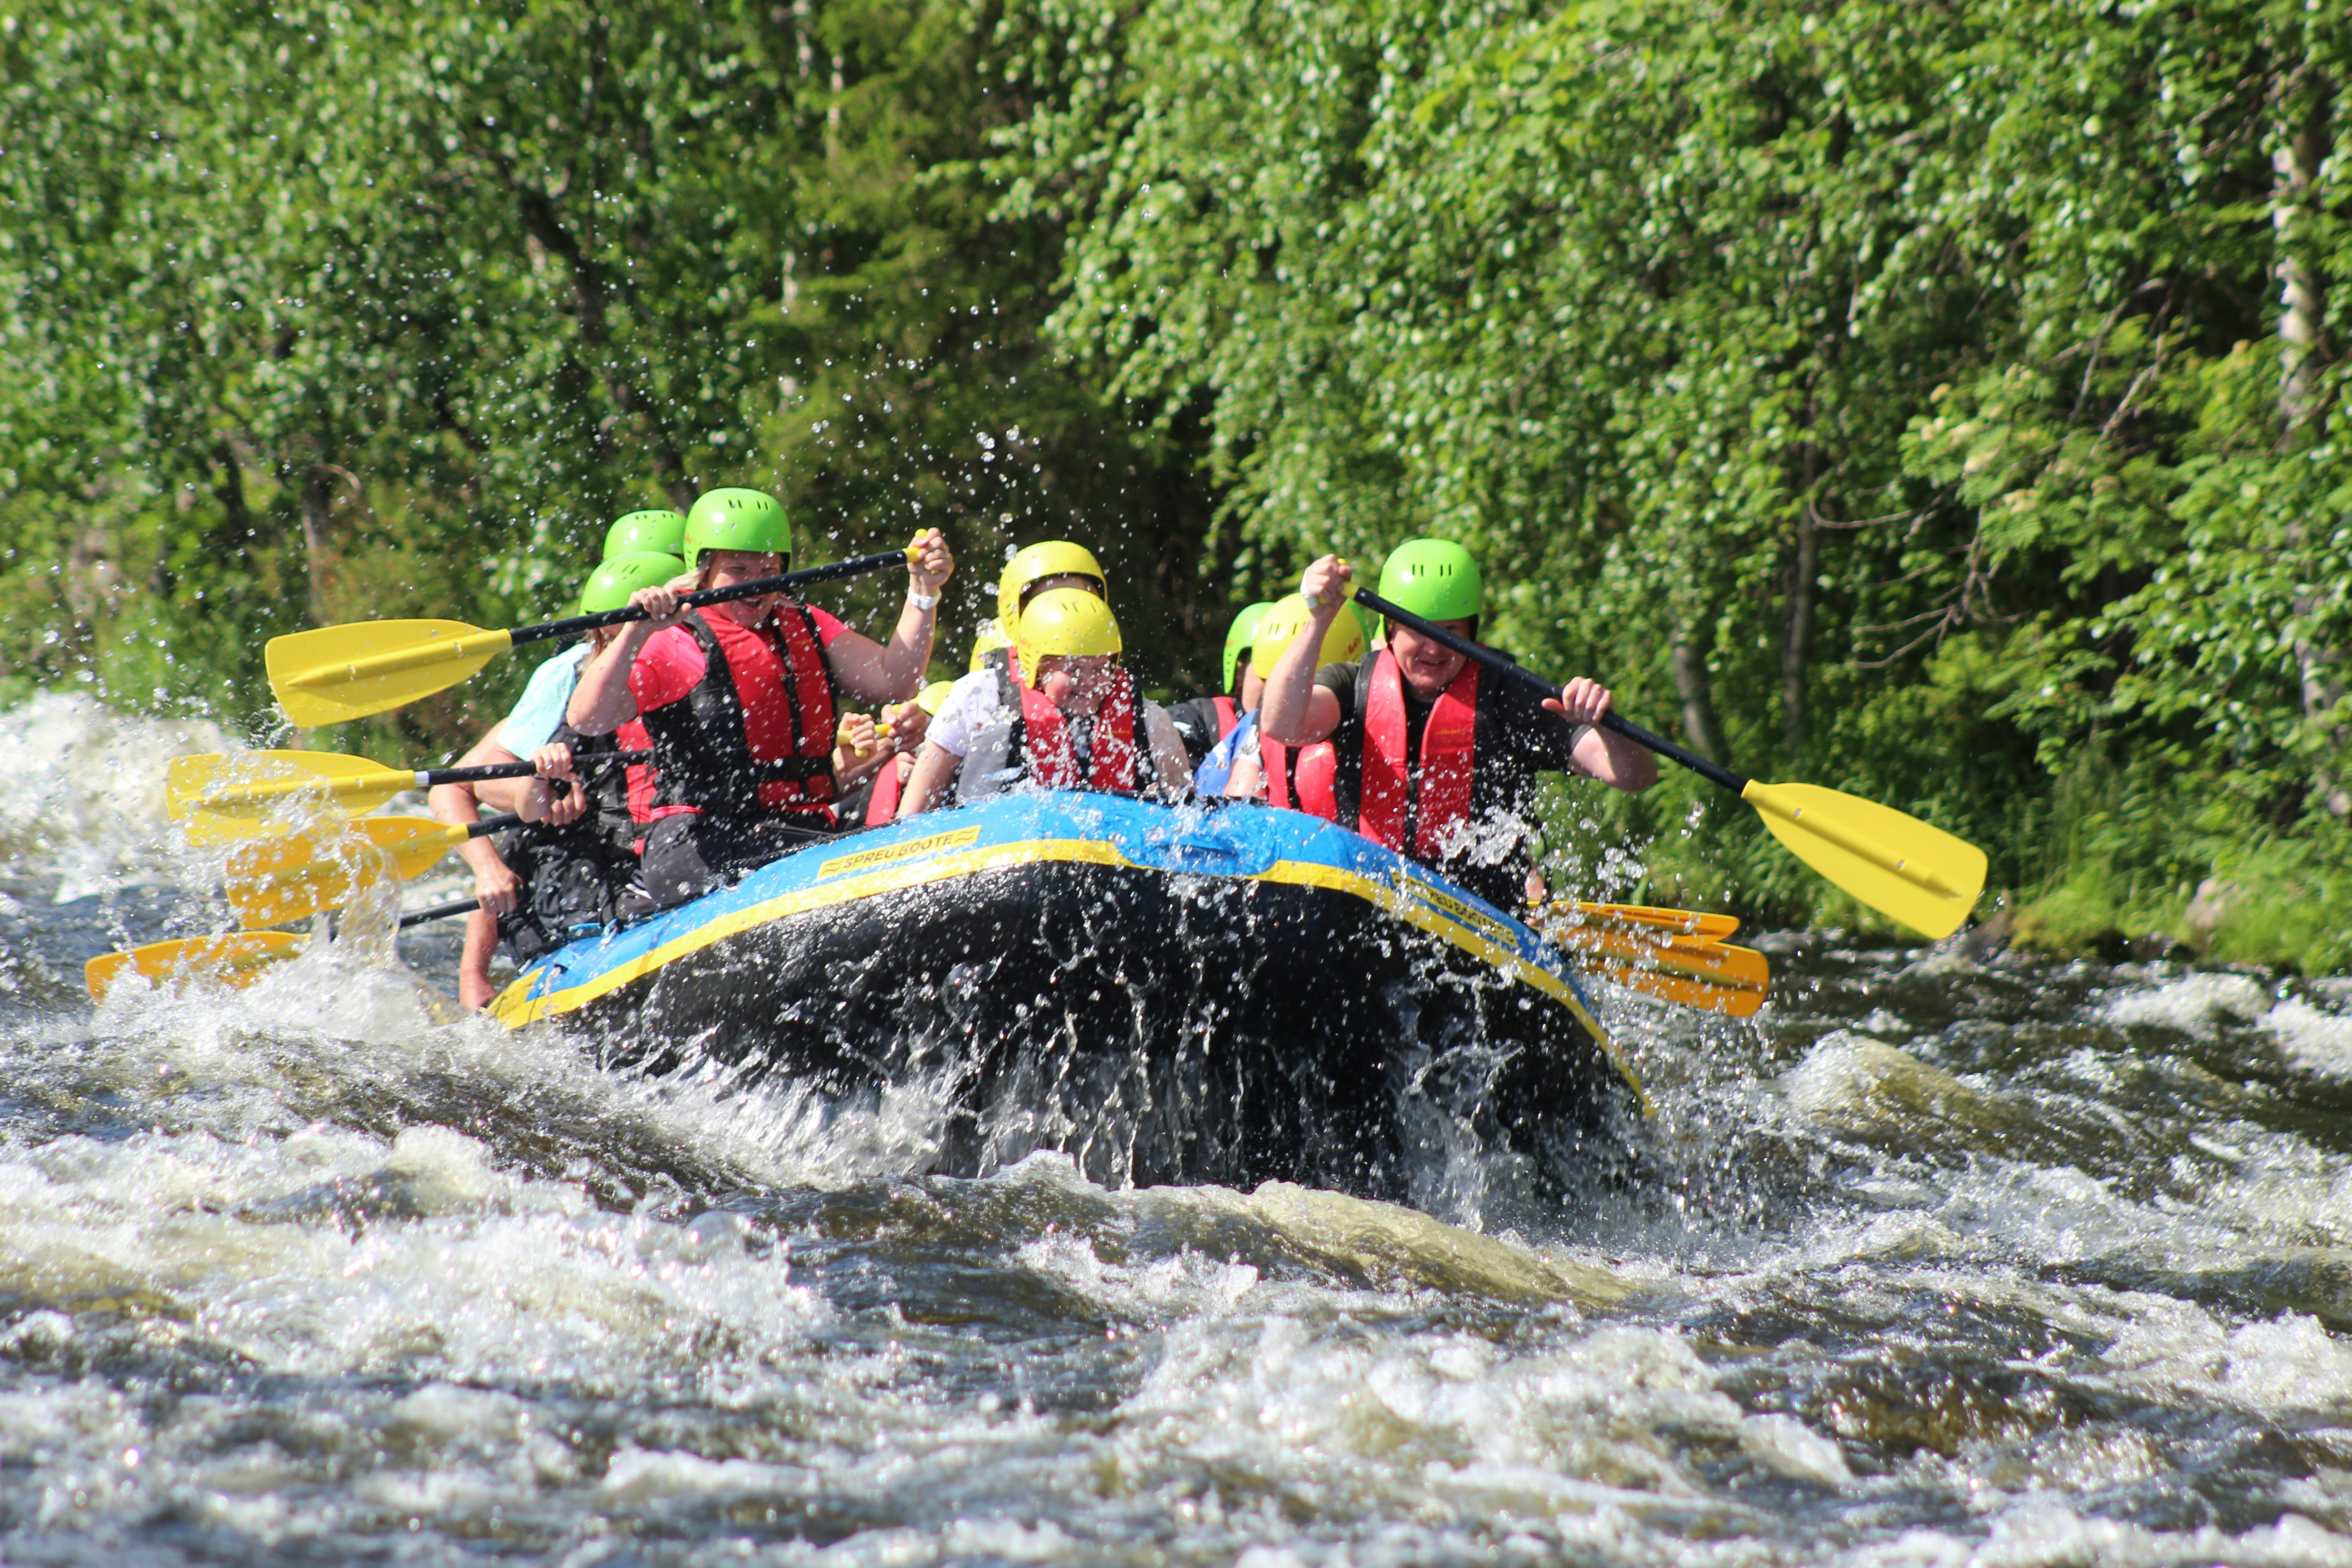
(1271, 999)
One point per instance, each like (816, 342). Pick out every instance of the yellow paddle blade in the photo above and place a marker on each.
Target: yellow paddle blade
(1713, 977)
(292, 879)
(1677, 954)
(236, 960)
(337, 673)
(224, 796)
(1897, 864)
(1649, 917)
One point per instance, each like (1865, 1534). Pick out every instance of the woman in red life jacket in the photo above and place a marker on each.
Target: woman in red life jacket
(1430, 759)
(1080, 726)
(739, 702)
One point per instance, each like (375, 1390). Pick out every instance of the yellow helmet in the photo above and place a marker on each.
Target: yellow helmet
(1055, 558)
(930, 698)
(1281, 625)
(992, 638)
(1068, 621)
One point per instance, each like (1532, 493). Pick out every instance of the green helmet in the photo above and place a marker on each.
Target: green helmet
(737, 519)
(609, 586)
(661, 531)
(1241, 634)
(1433, 578)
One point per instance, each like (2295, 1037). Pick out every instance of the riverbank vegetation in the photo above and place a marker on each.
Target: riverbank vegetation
(1944, 404)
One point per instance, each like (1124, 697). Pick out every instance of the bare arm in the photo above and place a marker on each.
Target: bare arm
(935, 770)
(1295, 711)
(601, 702)
(455, 803)
(872, 672)
(1602, 753)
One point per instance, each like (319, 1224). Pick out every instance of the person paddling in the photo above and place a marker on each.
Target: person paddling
(1204, 721)
(535, 884)
(738, 702)
(1428, 759)
(1080, 726)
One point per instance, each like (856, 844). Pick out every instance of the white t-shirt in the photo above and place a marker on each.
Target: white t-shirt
(975, 703)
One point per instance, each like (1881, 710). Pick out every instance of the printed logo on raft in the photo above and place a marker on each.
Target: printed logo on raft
(1453, 908)
(912, 849)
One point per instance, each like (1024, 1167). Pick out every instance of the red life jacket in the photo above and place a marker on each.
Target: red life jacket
(882, 805)
(755, 735)
(1114, 763)
(1435, 793)
(1300, 778)
(1227, 715)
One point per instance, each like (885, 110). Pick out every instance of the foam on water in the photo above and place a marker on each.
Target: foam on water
(1947, 1261)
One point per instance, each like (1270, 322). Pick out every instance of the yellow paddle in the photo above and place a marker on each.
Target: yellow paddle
(1689, 923)
(235, 960)
(1921, 876)
(1675, 954)
(292, 879)
(338, 673)
(227, 796)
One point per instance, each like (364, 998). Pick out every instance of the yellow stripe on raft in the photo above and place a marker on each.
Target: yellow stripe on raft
(516, 1007)
(1466, 936)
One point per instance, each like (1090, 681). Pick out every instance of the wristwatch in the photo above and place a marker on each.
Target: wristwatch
(922, 601)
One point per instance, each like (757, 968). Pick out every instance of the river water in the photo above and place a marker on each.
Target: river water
(1949, 1258)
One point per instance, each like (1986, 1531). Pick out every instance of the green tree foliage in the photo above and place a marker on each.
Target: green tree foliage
(317, 312)
(1914, 399)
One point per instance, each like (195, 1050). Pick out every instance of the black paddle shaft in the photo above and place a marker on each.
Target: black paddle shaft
(524, 770)
(1503, 664)
(573, 627)
(439, 912)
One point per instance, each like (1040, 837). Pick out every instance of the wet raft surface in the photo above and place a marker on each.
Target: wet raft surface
(1947, 1261)
(1156, 1028)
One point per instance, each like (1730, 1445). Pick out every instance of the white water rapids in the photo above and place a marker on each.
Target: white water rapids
(1948, 1260)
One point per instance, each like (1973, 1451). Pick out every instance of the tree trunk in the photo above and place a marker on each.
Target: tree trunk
(318, 496)
(234, 534)
(1797, 642)
(1699, 726)
(2306, 105)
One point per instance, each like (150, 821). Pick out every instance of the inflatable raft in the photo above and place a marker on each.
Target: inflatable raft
(1215, 992)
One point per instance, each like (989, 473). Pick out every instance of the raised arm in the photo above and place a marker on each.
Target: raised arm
(1295, 711)
(601, 702)
(874, 672)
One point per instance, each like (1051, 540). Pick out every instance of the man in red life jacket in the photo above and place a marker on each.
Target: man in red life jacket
(1431, 760)
(739, 703)
(1080, 726)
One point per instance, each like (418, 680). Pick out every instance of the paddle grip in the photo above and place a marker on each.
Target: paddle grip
(1503, 664)
(576, 624)
(439, 912)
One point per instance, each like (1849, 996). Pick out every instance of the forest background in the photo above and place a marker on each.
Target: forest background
(1940, 402)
